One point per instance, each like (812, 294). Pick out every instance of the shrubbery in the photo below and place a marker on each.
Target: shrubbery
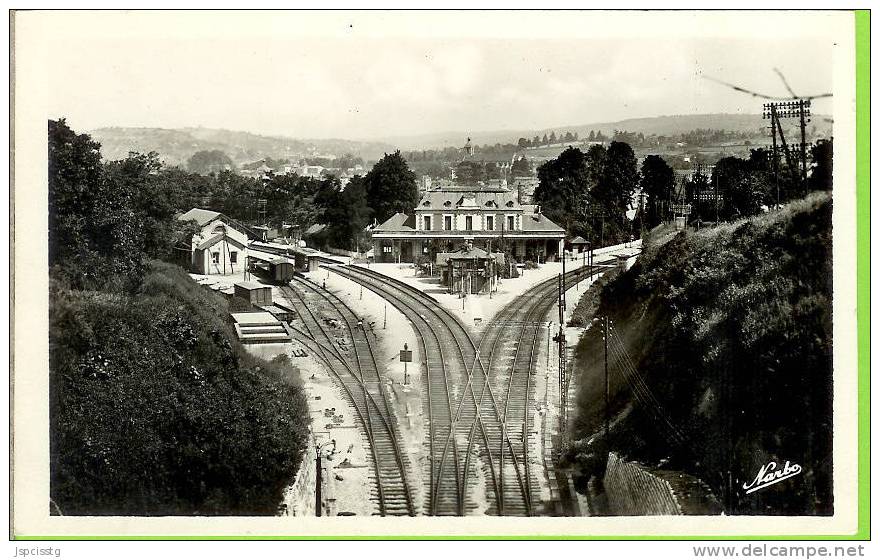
(156, 409)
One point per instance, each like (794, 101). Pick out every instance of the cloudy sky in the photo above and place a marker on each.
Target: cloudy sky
(365, 76)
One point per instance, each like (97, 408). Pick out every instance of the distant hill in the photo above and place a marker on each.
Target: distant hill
(664, 125)
(176, 146)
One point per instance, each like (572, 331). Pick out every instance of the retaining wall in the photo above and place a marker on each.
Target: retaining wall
(632, 490)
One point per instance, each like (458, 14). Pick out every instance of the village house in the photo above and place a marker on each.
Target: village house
(220, 246)
(488, 217)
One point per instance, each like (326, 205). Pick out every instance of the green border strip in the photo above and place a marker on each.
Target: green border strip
(863, 323)
(863, 262)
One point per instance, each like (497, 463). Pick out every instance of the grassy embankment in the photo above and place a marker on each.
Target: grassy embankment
(157, 410)
(729, 335)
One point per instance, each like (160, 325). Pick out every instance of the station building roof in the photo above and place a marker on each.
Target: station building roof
(448, 199)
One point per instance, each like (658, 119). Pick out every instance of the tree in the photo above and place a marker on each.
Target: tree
(154, 199)
(74, 180)
(470, 172)
(521, 168)
(391, 187)
(657, 183)
(592, 136)
(562, 189)
(821, 169)
(617, 183)
(553, 137)
(522, 143)
(95, 226)
(544, 140)
(209, 161)
(349, 215)
(740, 186)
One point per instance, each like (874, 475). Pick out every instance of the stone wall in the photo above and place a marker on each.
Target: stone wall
(632, 490)
(299, 497)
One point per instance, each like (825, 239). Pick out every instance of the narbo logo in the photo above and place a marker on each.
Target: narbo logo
(770, 474)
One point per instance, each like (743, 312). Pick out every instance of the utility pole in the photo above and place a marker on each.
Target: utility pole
(775, 152)
(563, 280)
(560, 339)
(607, 392)
(799, 109)
(803, 111)
(715, 180)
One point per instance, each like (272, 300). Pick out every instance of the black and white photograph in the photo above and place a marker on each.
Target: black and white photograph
(296, 272)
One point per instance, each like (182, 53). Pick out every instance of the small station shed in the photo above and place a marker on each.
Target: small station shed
(579, 244)
(469, 270)
(256, 294)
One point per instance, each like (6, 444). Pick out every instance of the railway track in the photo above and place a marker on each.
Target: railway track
(477, 396)
(356, 371)
(444, 368)
(519, 324)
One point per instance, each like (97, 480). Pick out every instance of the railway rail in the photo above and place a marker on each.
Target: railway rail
(486, 422)
(477, 396)
(357, 372)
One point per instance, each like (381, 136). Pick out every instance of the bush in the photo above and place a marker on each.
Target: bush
(530, 265)
(157, 410)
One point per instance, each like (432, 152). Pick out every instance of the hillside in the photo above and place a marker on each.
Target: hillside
(662, 125)
(156, 409)
(175, 146)
(720, 360)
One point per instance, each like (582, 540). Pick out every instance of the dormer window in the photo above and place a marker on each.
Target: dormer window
(426, 203)
(447, 204)
(510, 204)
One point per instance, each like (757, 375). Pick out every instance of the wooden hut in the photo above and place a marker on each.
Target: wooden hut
(256, 294)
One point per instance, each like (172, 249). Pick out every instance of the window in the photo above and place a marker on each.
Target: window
(215, 258)
(427, 223)
(233, 257)
(490, 223)
(447, 223)
(510, 222)
(468, 223)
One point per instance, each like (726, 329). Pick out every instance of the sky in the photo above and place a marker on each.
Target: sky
(315, 77)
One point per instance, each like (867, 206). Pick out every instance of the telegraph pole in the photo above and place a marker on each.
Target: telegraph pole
(775, 153)
(563, 280)
(799, 109)
(803, 111)
(560, 339)
(607, 392)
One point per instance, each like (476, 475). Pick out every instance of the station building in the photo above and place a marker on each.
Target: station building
(447, 218)
(220, 246)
